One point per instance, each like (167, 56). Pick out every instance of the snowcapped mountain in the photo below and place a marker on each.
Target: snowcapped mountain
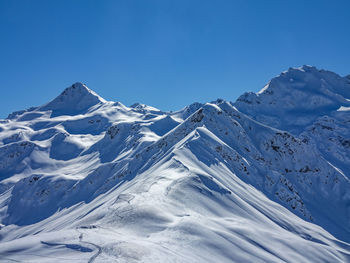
(264, 179)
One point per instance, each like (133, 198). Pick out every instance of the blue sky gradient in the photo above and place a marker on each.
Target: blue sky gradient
(163, 53)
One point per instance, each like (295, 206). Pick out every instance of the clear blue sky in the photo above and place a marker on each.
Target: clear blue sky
(163, 53)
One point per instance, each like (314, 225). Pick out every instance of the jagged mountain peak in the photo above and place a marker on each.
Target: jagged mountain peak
(144, 108)
(76, 90)
(74, 99)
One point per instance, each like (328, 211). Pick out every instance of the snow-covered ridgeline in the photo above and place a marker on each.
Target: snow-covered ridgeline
(263, 179)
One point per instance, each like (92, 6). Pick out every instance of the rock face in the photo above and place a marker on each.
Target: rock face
(264, 179)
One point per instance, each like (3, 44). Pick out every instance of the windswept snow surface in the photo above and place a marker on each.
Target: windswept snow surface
(264, 179)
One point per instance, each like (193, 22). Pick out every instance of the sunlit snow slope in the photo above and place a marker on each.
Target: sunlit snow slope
(264, 179)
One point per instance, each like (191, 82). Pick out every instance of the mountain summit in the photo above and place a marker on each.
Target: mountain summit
(73, 100)
(297, 97)
(264, 179)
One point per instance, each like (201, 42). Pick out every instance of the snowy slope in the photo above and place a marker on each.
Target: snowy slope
(264, 179)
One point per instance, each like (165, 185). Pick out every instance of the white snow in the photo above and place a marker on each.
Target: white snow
(265, 179)
(342, 108)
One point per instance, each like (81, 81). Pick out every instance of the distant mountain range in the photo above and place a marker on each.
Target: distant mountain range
(262, 179)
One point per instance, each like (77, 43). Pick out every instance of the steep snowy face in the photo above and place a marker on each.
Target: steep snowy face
(73, 100)
(310, 103)
(296, 98)
(265, 179)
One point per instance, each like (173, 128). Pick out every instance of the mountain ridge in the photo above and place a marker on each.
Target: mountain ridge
(233, 181)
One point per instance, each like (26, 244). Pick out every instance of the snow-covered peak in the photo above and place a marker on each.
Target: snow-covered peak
(144, 108)
(305, 92)
(73, 100)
